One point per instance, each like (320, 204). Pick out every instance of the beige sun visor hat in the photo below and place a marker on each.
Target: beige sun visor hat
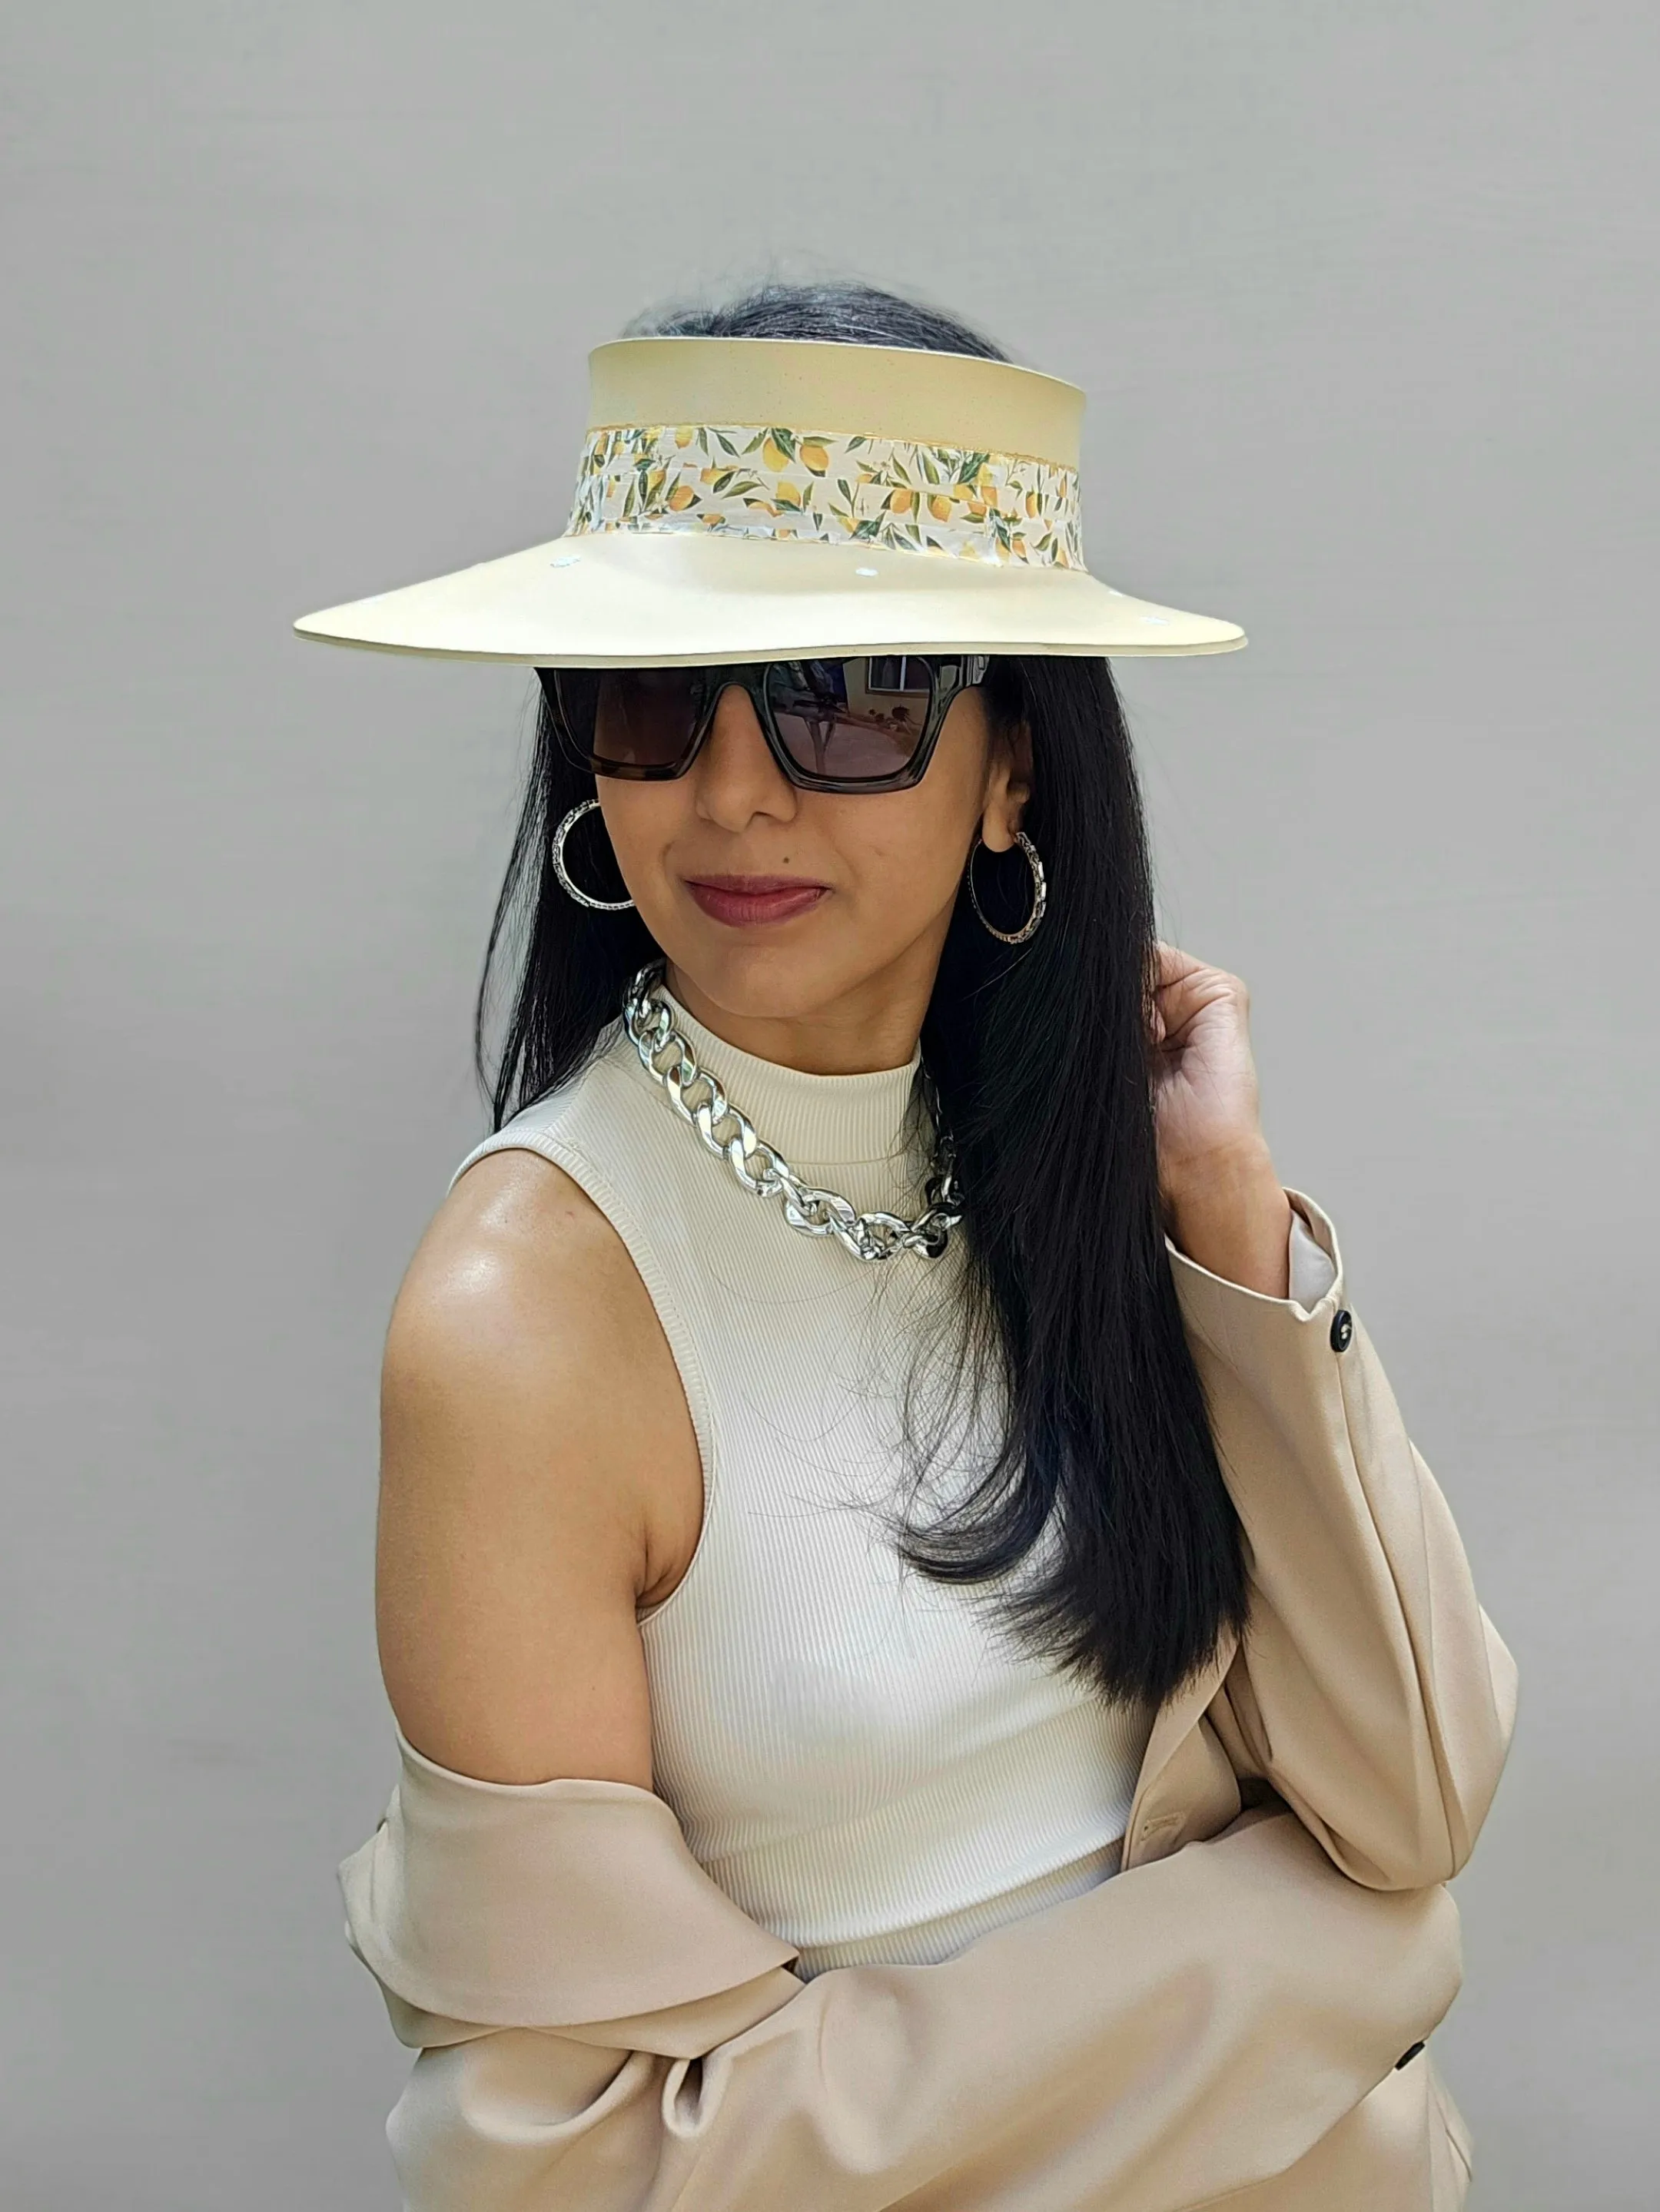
(765, 499)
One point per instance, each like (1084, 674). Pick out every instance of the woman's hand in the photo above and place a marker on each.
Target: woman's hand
(1223, 1200)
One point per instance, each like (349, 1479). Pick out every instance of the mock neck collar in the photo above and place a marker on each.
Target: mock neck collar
(816, 1121)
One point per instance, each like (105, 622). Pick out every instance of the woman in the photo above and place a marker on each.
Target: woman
(949, 1684)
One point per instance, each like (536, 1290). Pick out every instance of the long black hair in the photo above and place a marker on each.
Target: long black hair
(1038, 1058)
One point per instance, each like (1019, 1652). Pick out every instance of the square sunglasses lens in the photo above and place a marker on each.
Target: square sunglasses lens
(631, 718)
(859, 721)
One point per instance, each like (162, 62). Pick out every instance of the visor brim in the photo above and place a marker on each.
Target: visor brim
(631, 599)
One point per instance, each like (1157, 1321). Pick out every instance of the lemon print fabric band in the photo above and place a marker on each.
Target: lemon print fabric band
(839, 489)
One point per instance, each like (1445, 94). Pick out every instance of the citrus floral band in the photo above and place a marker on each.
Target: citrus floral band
(842, 489)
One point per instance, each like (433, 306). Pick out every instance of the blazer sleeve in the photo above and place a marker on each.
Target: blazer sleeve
(1370, 1689)
(599, 2027)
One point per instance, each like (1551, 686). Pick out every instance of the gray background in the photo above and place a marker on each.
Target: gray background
(299, 298)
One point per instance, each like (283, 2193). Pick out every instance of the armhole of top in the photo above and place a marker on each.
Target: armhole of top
(682, 1348)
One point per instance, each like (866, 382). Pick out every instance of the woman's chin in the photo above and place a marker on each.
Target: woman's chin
(786, 972)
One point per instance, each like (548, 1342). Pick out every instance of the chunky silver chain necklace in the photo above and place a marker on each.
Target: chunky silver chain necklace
(697, 1098)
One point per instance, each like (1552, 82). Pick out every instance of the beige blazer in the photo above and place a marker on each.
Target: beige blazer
(1238, 2015)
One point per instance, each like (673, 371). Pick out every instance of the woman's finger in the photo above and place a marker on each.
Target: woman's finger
(1172, 964)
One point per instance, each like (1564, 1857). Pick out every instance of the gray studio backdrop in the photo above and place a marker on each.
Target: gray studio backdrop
(298, 300)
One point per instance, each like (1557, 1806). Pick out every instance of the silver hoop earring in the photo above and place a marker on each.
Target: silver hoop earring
(1040, 894)
(575, 890)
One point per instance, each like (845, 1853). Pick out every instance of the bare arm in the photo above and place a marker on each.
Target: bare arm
(539, 1480)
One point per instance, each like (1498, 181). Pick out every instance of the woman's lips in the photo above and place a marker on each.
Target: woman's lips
(748, 902)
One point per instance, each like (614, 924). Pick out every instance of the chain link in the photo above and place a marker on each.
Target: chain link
(698, 1099)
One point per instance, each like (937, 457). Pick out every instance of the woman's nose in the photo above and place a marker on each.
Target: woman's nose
(738, 777)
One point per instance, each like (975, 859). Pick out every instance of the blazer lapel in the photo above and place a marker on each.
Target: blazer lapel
(1174, 1721)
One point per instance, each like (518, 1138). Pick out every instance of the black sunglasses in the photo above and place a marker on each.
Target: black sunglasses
(866, 723)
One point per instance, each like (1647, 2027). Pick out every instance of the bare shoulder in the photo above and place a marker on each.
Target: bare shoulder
(519, 1271)
(539, 1481)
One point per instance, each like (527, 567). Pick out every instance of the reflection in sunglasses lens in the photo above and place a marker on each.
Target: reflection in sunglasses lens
(860, 720)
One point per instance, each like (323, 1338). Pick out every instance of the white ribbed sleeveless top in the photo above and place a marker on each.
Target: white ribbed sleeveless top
(860, 1758)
